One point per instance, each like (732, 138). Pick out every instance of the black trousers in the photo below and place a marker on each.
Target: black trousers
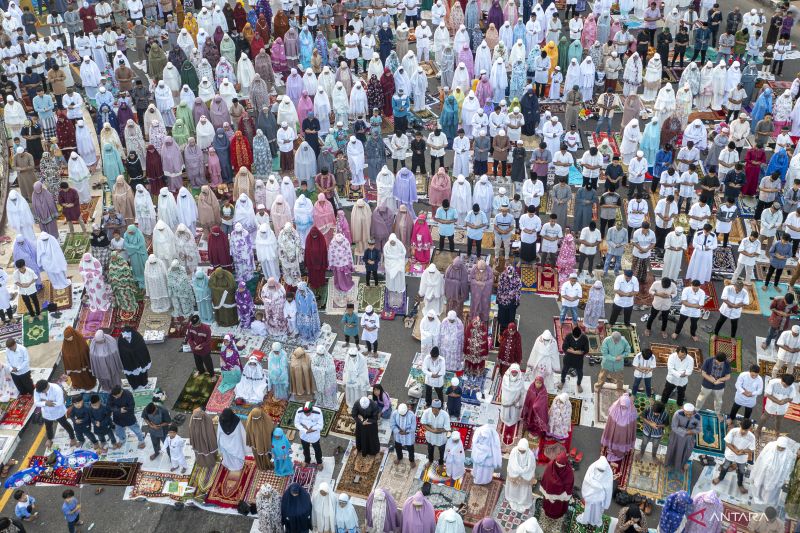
(661, 235)
(606, 223)
(441, 453)
(82, 433)
(307, 451)
(732, 113)
(398, 449)
(23, 382)
(777, 67)
(347, 339)
(203, 363)
(137, 381)
(721, 320)
(735, 409)
(701, 54)
(417, 166)
(434, 159)
(477, 243)
(140, 116)
(157, 440)
(626, 314)
(668, 390)
(479, 167)
(429, 394)
(540, 88)
(450, 241)
(678, 53)
(63, 422)
(692, 324)
(6, 315)
(572, 362)
(652, 318)
(494, 167)
(372, 346)
(772, 270)
(373, 274)
(582, 257)
(32, 303)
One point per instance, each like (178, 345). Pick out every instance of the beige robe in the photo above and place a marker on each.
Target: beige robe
(301, 380)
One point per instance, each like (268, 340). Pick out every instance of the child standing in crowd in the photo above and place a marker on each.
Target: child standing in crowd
(25, 509)
(350, 323)
(72, 511)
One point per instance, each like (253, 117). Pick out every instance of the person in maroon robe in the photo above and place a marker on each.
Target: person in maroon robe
(752, 169)
(65, 135)
(510, 351)
(241, 153)
(239, 17)
(535, 409)
(316, 258)
(88, 15)
(387, 83)
(280, 24)
(154, 170)
(557, 482)
(262, 29)
(219, 249)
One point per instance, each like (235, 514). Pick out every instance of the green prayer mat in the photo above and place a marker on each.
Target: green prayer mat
(195, 393)
(642, 402)
(371, 295)
(287, 420)
(75, 245)
(35, 331)
(575, 527)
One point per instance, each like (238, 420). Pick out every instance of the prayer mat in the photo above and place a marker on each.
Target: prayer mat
(55, 476)
(465, 430)
(443, 259)
(547, 280)
(730, 347)
(577, 405)
(529, 275)
(178, 327)
(154, 326)
(338, 300)
(767, 436)
(738, 233)
(218, 401)
(794, 409)
(35, 331)
(481, 499)
(603, 400)
(399, 477)
(575, 527)
(110, 473)
(436, 474)
(87, 210)
(264, 477)
(343, 423)
(422, 185)
(469, 261)
(598, 138)
(287, 420)
(735, 518)
(152, 484)
(471, 385)
(711, 439)
(10, 331)
(642, 402)
(395, 303)
(629, 332)
(712, 301)
(62, 298)
(663, 351)
(754, 307)
(553, 107)
(371, 295)
(89, 322)
(766, 370)
(229, 489)
(359, 473)
(562, 329)
(42, 294)
(442, 497)
(459, 236)
(201, 480)
(723, 262)
(765, 297)
(620, 468)
(508, 518)
(75, 245)
(707, 115)
(121, 318)
(304, 476)
(195, 393)
(273, 407)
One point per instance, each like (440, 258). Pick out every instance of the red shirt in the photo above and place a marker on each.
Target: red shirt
(775, 320)
(199, 339)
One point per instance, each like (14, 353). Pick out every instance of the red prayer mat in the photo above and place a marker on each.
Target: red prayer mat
(547, 280)
(228, 489)
(18, 411)
(58, 476)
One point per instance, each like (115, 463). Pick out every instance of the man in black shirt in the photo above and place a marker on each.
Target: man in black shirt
(681, 42)
(734, 181)
(141, 99)
(708, 186)
(418, 153)
(614, 174)
(734, 21)
(714, 22)
(575, 348)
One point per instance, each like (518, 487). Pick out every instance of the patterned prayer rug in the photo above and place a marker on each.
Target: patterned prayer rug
(575, 527)
(262, 477)
(747, 207)
(375, 374)
(359, 473)
(465, 430)
(121, 318)
(723, 262)
(481, 499)
(663, 351)
(395, 303)
(597, 140)
(151, 484)
(754, 307)
(195, 393)
(508, 518)
(443, 259)
(735, 518)
(730, 347)
(793, 494)
(642, 402)
(767, 436)
(371, 295)
(154, 326)
(338, 300)
(287, 420)
(547, 281)
(766, 370)
(201, 480)
(529, 276)
(621, 468)
(61, 297)
(178, 327)
(436, 474)
(646, 478)
(218, 400)
(57, 476)
(442, 497)
(711, 439)
(471, 385)
(228, 489)
(35, 331)
(343, 423)
(110, 473)
(87, 210)
(75, 245)
(737, 233)
(562, 329)
(603, 400)
(89, 322)
(398, 477)
(42, 294)
(304, 476)
(10, 331)
(629, 332)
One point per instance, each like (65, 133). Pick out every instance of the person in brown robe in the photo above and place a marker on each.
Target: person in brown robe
(258, 430)
(25, 167)
(316, 258)
(125, 77)
(301, 380)
(223, 292)
(75, 354)
(203, 437)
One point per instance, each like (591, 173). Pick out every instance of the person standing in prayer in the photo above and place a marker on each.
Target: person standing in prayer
(366, 415)
(597, 489)
(404, 424)
(556, 486)
(437, 427)
(614, 349)
(49, 397)
(778, 393)
(773, 467)
(575, 348)
(231, 442)
(684, 429)
(434, 369)
(740, 447)
(485, 453)
(370, 325)
(308, 420)
(653, 420)
(123, 407)
(520, 476)
(198, 337)
(355, 377)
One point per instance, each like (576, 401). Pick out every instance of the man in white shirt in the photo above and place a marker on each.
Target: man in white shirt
(625, 288)
(575, 27)
(749, 250)
(551, 132)
(687, 156)
(591, 163)
(286, 137)
(434, 369)
(701, 263)
(679, 368)
(728, 158)
(749, 386)
(637, 170)
(437, 427)
(665, 213)
(309, 422)
(532, 191)
(398, 146)
(73, 103)
(571, 292)
(643, 240)
(49, 398)
(461, 151)
(771, 221)
(351, 42)
(637, 210)
(480, 122)
(693, 299)
(529, 225)
(779, 393)
(423, 34)
(686, 187)
(437, 142)
(589, 238)
(497, 121)
(788, 344)
(562, 161)
(734, 298)
(19, 363)
(551, 234)
(740, 446)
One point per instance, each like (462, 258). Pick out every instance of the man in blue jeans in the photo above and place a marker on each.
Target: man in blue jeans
(122, 406)
(571, 292)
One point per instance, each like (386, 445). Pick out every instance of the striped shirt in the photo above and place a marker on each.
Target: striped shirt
(657, 418)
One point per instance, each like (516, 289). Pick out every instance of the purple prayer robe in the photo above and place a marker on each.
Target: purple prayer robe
(244, 304)
(242, 252)
(391, 521)
(418, 519)
(405, 189)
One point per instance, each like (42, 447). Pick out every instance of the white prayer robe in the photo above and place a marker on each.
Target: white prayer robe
(253, 385)
(701, 263)
(598, 485)
(673, 259)
(519, 473)
(232, 447)
(51, 259)
(356, 379)
(486, 454)
(431, 289)
(771, 470)
(394, 262)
